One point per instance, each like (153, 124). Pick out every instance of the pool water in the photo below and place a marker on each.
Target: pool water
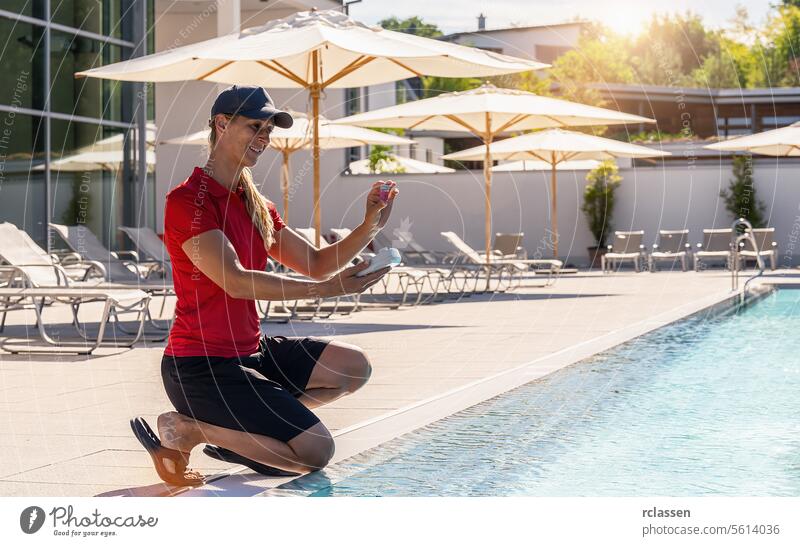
(706, 406)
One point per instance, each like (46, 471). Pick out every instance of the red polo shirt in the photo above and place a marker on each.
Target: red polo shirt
(207, 320)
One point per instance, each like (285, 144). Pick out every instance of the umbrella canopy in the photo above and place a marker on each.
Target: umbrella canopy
(777, 142)
(555, 146)
(486, 112)
(407, 164)
(314, 50)
(298, 136)
(538, 165)
(115, 142)
(94, 161)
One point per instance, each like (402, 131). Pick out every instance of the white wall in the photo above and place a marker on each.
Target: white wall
(650, 198)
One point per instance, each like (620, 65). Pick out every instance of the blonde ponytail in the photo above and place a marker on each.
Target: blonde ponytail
(255, 203)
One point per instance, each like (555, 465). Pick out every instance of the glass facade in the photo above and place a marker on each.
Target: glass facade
(40, 138)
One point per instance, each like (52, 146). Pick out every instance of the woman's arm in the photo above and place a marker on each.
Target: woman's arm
(213, 254)
(297, 253)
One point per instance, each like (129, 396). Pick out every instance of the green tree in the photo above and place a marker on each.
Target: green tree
(434, 85)
(598, 199)
(412, 25)
(670, 47)
(601, 57)
(728, 65)
(740, 197)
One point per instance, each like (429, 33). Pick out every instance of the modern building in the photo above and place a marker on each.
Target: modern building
(704, 113)
(543, 43)
(46, 114)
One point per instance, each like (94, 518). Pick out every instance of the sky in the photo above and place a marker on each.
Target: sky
(622, 15)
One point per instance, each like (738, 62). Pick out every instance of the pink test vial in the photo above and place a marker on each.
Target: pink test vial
(385, 190)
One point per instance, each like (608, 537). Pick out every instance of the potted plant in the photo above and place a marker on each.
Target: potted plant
(598, 205)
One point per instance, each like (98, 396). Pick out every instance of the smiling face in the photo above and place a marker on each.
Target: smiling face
(242, 139)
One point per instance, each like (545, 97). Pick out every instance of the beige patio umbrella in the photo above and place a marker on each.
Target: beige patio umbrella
(408, 165)
(313, 50)
(777, 142)
(555, 146)
(298, 137)
(487, 112)
(526, 165)
(95, 161)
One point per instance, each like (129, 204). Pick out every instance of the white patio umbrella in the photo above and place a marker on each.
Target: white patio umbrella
(313, 50)
(538, 165)
(777, 142)
(94, 161)
(555, 146)
(406, 163)
(115, 142)
(299, 136)
(487, 112)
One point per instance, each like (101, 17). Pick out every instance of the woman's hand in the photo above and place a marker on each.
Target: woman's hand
(377, 211)
(346, 281)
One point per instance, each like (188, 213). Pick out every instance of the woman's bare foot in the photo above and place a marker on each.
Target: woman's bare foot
(178, 432)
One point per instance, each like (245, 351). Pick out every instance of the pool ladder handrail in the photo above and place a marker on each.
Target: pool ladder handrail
(736, 240)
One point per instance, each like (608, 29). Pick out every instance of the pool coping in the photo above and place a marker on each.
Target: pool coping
(350, 441)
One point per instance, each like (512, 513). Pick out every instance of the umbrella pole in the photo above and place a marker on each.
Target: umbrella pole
(315, 91)
(285, 184)
(554, 205)
(487, 175)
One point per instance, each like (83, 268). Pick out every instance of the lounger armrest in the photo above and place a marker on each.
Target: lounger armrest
(126, 255)
(67, 258)
(699, 246)
(655, 247)
(609, 247)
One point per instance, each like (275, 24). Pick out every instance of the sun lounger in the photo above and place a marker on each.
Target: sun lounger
(672, 245)
(116, 302)
(716, 245)
(17, 248)
(83, 241)
(440, 280)
(509, 245)
(150, 246)
(767, 247)
(513, 267)
(627, 246)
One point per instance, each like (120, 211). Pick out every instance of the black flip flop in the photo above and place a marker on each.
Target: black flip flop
(157, 452)
(228, 456)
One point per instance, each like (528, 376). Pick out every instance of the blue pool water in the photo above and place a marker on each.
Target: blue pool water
(706, 406)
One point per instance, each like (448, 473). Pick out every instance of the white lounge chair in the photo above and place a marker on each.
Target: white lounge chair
(513, 267)
(765, 244)
(17, 248)
(716, 245)
(118, 269)
(439, 279)
(116, 302)
(149, 246)
(627, 246)
(672, 245)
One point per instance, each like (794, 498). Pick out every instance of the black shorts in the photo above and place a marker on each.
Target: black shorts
(256, 393)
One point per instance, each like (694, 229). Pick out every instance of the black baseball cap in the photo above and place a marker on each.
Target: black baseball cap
(250, 101)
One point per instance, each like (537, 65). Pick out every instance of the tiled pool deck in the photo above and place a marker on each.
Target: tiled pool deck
(64, 422)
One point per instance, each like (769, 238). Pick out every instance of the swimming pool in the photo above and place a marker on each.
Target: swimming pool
(709, 405)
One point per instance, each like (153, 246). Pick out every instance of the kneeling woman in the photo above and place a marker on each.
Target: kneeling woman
(249, 396)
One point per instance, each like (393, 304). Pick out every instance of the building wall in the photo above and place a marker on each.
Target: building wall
(524, 42)
(649, 198)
